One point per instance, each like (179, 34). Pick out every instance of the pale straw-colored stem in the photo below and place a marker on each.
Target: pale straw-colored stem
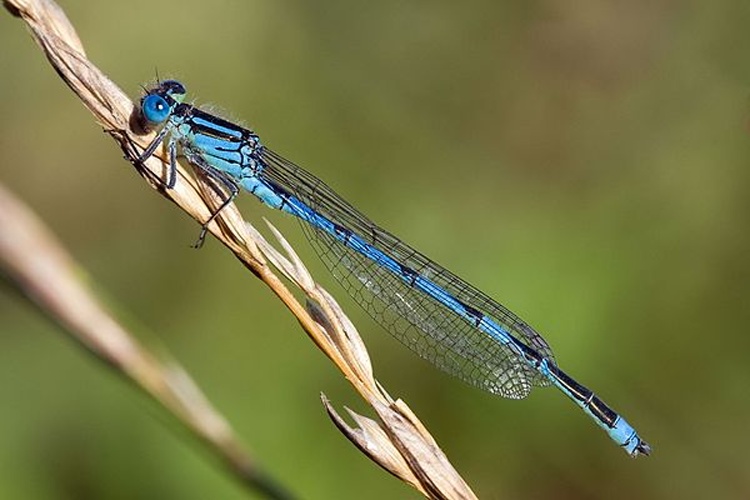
(34, 261)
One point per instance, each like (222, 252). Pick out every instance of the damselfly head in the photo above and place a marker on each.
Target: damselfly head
(158, 103)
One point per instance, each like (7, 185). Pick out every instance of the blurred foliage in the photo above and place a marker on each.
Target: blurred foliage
(582, 162)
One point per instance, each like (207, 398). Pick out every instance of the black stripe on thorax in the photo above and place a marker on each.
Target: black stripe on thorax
(214, 126)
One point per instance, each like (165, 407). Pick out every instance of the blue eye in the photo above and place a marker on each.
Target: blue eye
(155, 109)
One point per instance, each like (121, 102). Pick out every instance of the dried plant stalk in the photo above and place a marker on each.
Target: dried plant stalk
(398, 442)
(33, 259)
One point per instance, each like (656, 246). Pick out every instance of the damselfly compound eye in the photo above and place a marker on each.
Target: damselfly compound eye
(155, 109)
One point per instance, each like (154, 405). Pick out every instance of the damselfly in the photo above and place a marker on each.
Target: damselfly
(432, 311)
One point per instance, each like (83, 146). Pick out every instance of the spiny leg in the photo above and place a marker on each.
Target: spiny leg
(172, 175)
(230, 186)
(149, 151)
(210, 171)
(154, 144)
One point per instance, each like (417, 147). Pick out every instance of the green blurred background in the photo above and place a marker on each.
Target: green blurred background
(585, 163)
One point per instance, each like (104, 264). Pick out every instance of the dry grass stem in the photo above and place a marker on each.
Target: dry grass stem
(33, 259)
(398, 442)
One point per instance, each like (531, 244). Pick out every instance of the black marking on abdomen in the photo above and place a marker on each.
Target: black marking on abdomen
(409, 274)
(473, 312)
